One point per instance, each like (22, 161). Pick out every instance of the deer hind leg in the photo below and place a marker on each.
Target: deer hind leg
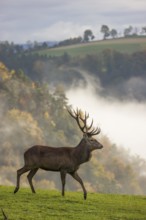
(19, 173)
(63, 180)
(30, 176)
(76, 177)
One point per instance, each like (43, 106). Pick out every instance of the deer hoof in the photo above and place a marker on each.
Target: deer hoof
(16, 190)
(85, 196)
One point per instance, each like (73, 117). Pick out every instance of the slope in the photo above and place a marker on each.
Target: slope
(50, 205)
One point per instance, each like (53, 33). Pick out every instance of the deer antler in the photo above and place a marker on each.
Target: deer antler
(76, 115)
(79, 118)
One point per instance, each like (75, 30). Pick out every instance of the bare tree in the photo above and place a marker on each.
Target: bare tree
(65, 160)
(128, 31)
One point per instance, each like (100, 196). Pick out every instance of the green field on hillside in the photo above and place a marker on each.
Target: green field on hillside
(47, 205)
(124, 45)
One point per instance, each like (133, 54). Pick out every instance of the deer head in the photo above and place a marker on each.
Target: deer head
(87, 130)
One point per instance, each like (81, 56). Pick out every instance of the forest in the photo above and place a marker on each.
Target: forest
(33, 111)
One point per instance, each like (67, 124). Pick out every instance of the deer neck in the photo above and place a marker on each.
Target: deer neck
(82, 152)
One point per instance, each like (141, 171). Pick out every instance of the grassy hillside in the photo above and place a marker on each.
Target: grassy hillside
(124, 45)
(50, 205)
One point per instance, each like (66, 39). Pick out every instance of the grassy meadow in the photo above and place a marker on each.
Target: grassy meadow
(45, 205)
(123, 45)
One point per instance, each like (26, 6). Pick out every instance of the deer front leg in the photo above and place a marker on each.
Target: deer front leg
(63, 180)
(76, 177)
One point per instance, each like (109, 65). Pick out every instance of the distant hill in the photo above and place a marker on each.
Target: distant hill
(118, 64)
(123, 45)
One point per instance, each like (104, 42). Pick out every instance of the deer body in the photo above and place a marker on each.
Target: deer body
(56, 159)
(49, 158)
(61, 159)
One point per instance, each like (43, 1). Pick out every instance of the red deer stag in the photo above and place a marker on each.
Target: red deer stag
(62, 159)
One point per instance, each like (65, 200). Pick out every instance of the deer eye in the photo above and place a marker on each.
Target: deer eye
(91, 140)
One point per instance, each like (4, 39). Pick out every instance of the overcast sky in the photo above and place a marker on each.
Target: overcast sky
(44, 20)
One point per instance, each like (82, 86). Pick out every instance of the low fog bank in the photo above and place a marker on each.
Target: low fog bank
(122, 120)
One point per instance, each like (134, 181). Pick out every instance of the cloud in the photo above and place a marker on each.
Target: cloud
(24, 20)
(63, 29)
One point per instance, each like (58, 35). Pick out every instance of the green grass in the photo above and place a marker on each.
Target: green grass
(47, 205)
(125, 45)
